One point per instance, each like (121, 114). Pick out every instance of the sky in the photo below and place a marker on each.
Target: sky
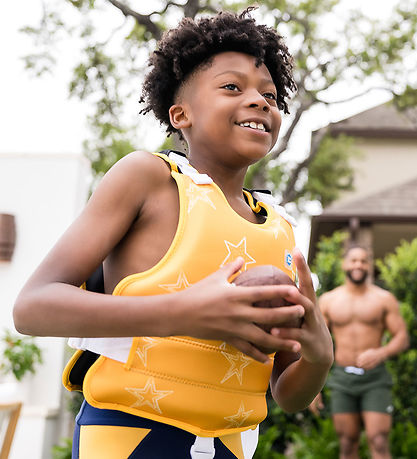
(36, 115)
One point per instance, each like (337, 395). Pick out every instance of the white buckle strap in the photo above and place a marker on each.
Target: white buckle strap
(273, 202)
(203, 448)
(187, 169)
(354, 370)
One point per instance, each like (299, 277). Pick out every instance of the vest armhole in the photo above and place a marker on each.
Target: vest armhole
(164, 156)
(253, 203)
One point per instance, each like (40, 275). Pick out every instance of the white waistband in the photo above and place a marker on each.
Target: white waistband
(113, 348)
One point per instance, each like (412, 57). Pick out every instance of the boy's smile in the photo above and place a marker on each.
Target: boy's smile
(230, 109)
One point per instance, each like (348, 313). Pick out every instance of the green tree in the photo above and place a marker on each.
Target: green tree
(328, 262)
(398, 271)
(329, 45)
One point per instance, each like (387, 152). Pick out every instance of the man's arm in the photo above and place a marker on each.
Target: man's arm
(397, 328)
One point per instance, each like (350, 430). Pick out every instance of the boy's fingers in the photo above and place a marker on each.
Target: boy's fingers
(268, 292)
(231, 268)
(289, 293)
(250, 350)
(304, 274)
(277, 316)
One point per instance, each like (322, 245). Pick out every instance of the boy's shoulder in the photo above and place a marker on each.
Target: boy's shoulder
(144, 163)
(139, 169)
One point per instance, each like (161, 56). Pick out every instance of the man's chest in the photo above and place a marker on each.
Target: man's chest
(359, 309)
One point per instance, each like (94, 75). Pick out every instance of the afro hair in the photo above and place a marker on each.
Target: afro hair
(192, 44)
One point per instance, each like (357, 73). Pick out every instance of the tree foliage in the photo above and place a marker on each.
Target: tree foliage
(330, 46)
(398, 271)
(328, 262)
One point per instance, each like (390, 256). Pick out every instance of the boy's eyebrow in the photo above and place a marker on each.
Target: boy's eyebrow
(243, 75)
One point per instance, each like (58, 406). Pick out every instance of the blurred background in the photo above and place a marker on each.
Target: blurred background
(345, 166)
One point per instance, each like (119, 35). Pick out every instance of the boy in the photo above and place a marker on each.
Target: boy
(193, 381)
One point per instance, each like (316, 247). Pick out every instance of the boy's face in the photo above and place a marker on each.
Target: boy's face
(231, 109)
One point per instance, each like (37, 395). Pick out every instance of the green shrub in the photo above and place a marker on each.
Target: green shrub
(316, 442)
(328, 262)
(398, 271)
(403, 441)
(20, 355)
(265, 449)
(63, 451)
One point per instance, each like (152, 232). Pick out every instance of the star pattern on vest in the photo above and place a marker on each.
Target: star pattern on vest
(197, 193)
(238, 362)
(148, 395)
(181, 284)
(238, 250)
(278, 227)
(236, 420)
(142, 349)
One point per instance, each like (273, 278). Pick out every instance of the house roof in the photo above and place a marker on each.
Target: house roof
(393, 206)
(396, 205)
(382, 121)
(394, 202)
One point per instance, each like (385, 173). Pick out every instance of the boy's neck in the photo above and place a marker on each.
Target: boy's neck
(227, 178)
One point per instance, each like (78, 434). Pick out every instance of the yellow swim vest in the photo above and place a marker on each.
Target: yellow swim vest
(205, 387)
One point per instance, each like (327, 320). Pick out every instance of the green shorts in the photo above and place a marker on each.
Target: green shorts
(354, 390)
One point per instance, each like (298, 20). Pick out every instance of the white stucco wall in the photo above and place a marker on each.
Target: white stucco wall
(45, 192)
(382, 164)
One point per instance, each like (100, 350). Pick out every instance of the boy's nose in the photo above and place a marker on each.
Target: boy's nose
(256, 100)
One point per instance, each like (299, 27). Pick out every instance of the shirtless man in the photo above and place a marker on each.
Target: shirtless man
(358, 313)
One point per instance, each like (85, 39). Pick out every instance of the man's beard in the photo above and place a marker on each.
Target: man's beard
(357, 280)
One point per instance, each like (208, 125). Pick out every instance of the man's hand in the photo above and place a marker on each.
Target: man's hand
(370, 358)
(316, 405)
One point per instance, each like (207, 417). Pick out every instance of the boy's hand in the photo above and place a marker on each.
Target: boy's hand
(215, 309)
(314, 337)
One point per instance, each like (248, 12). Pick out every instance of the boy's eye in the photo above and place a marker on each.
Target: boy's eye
(230, 87)
(270, 95)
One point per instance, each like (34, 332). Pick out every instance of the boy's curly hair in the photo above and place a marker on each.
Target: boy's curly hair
(194, 43)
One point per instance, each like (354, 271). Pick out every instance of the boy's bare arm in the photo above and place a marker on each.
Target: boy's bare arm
(51, 304)
(295, 387)
(317, 403)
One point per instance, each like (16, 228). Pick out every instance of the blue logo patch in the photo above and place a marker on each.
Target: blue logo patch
(288, 259)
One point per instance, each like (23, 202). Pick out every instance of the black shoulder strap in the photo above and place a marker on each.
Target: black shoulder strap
(95, 283)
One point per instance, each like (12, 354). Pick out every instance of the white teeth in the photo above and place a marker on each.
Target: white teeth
(253, 125)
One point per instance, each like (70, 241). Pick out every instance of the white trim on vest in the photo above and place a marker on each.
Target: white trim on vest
(273, 202)
(187, 169)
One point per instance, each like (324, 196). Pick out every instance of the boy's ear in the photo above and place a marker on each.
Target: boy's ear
(179, 117)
